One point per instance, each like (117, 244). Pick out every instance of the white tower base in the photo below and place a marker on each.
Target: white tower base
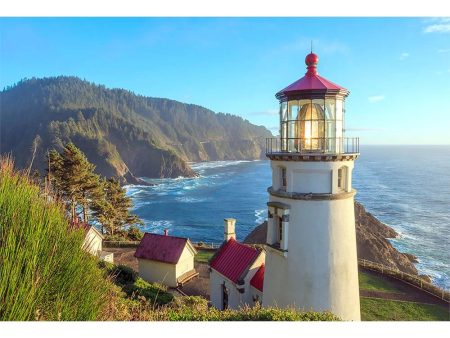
(314, 266)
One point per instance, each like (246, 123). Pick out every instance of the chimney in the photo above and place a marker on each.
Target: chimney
(166, 232)
(229, 229)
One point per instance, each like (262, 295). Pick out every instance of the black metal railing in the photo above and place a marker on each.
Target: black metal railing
(331, 145)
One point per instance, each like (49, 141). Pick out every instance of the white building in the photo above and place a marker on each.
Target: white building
(166, 259)
(93, 241)
(232, 270)
(311, 260)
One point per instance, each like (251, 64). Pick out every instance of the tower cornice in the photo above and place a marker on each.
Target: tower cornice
(311, 196)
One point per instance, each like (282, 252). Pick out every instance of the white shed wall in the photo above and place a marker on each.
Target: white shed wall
(154, 271)
(93, 242)
(186, 262)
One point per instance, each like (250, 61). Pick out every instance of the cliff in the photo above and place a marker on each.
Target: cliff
(123, 134)
(371, 238)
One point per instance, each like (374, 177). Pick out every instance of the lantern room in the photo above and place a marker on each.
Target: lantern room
(312, 116)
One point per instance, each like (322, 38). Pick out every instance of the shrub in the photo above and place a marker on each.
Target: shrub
(134, 233)
(123, 275)
(44, 273)
(153, 294)
(196, 309)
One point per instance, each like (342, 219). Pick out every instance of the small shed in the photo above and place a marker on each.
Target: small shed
(93, 241)
(166, 259)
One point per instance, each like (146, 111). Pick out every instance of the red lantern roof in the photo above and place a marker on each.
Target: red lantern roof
(258, 279)
(311, 82)
(233, 259)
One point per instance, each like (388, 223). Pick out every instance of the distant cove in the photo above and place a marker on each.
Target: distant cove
(413, 199)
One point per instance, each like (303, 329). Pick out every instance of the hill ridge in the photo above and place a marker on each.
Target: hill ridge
(124, 134)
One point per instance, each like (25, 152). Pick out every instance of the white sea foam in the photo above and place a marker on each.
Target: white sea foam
(261, 216)
(157, 226)
(185, 199)
(215, 164)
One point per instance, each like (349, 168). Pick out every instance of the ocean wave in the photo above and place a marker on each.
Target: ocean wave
(261, 216)
(216, 164)
(185, 199)
(157, 226)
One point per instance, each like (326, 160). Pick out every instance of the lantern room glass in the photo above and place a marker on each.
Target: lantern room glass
(312, 125)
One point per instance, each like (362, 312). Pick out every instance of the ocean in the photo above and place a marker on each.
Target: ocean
(405, 187)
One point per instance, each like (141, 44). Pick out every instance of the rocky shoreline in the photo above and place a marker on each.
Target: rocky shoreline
(373, 243)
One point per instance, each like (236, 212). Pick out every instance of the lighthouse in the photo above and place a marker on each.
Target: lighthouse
(311, 260)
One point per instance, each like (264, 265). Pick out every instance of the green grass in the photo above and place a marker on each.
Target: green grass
(44, 273)
(392, 310)
(203, 256)
(371, 282)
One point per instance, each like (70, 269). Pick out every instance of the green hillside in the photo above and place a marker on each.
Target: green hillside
(123, 134)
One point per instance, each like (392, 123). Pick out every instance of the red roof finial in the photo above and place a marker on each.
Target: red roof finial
(311, 61)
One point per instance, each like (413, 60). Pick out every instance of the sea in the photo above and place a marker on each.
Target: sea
(405, 187)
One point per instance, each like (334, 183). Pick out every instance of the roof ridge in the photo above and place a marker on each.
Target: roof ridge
(162, 235)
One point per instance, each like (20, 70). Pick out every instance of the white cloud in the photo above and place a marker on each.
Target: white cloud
(403, 56)
(375, 98)
(440, 25)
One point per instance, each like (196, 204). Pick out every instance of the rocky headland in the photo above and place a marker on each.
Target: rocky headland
(372, 237)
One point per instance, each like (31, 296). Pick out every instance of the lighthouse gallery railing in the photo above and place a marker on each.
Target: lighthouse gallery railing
(331, 145)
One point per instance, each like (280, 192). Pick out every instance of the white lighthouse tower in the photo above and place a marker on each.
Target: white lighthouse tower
(311, 260)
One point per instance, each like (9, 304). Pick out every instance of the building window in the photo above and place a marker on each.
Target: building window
(280, 229)
(283, 178)
(224, 297)
(342, 173)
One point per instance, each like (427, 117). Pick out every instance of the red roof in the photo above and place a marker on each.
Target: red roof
(166, 249)
(233, 258)
(258, 279)
(311, 81)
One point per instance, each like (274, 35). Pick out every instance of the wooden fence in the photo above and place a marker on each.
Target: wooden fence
(413, 280)
(120, 244)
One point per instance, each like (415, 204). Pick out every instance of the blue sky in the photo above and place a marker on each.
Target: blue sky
(397, 69)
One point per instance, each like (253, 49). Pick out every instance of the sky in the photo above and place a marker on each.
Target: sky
(397, 69)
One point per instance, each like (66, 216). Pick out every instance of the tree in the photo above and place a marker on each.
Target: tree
(113, 211)
(74, 179)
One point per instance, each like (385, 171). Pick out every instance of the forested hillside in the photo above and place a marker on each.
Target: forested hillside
(123, 134)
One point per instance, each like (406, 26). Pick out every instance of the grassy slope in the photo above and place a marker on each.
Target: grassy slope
(389, 310)
(204, 256)
(44, 273)
(373, 283)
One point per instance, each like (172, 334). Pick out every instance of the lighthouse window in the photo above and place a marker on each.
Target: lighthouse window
(280, 229)
(341, 178)
(283, 179)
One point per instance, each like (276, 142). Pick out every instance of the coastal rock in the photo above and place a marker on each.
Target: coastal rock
(371, 238)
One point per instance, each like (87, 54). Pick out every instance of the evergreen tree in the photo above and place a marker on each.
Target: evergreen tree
(113, 210)
(74, 179)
